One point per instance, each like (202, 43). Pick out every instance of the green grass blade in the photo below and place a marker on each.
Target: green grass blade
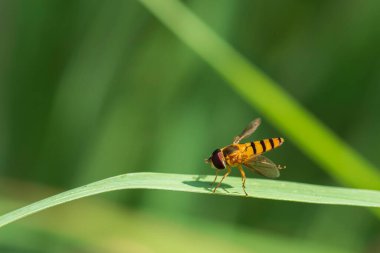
(298, 125)
(256, 188)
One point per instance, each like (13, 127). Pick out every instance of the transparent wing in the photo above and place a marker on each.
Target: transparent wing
(264, 166)
(250, 129)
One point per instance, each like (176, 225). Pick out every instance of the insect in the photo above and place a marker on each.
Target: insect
(248, 154)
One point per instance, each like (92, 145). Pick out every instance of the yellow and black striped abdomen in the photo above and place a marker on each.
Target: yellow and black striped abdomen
(259, 147)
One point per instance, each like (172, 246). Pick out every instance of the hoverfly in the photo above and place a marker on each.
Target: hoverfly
(248, 154)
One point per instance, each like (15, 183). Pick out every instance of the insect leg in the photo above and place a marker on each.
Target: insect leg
(225, 175)
(216, 176)
(243, 178)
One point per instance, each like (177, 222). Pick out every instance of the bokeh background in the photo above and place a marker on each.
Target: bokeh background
(91, 89)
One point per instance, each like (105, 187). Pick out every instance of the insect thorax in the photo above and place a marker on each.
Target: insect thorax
(230, 149)
(232, 154)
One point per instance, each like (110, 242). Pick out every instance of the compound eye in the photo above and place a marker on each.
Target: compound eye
(217, 159)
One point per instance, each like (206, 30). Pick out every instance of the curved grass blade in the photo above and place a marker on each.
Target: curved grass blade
(256, 188)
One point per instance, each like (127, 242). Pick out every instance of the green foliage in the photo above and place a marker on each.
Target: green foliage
(91, 89)
(289, 117)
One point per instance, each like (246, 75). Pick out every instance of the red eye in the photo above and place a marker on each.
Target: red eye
(217, 159)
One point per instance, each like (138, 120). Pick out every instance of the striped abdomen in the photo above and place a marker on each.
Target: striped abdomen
(259, 147)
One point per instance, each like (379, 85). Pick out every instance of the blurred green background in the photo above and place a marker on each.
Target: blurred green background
(92, 89)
